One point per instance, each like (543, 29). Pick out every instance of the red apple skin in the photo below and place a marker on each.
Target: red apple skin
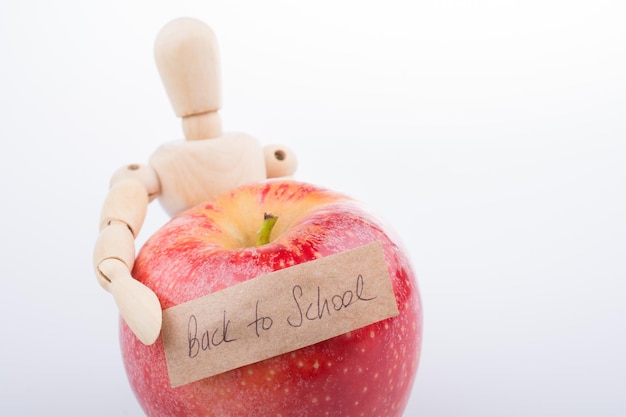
(366, 372)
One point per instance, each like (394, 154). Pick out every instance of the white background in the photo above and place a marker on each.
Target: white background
(490, 134)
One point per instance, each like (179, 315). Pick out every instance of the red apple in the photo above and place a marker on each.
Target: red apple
(366, 372)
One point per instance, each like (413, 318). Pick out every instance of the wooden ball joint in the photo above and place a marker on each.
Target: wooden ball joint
(180, 174)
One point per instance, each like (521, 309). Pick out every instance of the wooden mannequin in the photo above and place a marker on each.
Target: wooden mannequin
(180, 174)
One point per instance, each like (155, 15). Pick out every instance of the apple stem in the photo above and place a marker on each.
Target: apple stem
(269, 220)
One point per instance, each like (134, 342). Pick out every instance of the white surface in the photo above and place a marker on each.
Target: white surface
(490, 134)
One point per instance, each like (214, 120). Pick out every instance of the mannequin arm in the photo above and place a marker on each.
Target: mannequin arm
(123, 214)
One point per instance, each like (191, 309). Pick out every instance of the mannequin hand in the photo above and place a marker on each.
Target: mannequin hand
(138, 305)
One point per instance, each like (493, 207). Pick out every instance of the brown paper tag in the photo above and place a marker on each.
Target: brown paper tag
(277, 313)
